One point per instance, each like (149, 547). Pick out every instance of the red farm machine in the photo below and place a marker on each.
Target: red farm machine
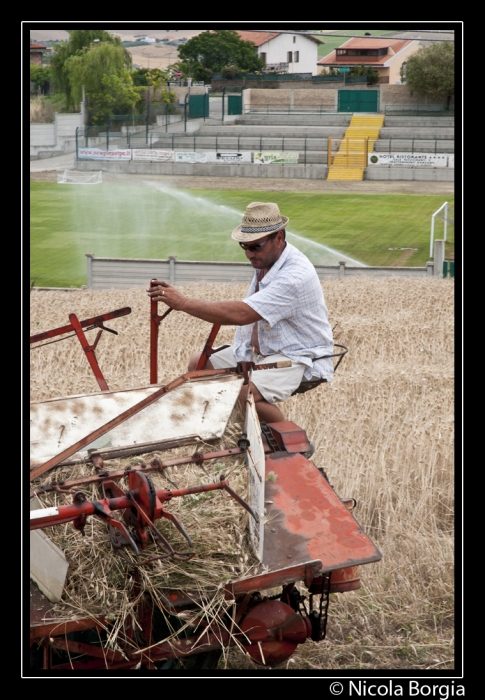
(305, 538)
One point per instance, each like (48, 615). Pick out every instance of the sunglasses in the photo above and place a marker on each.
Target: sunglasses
(257, 246)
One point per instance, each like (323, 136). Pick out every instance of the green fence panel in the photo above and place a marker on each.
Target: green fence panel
(327, 78)
(452, 268)
(198, 106)
(358, 100)
(234, 104)
(445, 268)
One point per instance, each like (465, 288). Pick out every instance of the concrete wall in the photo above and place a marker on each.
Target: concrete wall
(322, 98)
(309, 172)
(57, 138)
(400, 95)
(327, 93)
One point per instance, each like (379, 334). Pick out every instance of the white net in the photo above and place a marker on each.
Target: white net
(71, 177)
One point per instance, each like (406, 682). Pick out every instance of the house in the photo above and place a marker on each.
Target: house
(37, 52)
(385, 56)
(284, 52)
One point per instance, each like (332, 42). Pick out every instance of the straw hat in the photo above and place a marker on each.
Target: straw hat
(259, 219)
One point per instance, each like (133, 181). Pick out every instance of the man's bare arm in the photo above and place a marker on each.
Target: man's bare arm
(226, 313)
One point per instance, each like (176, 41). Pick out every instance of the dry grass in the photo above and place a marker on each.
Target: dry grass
(383, 429)
(41, 112)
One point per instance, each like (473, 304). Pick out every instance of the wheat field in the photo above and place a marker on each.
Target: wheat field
(383, 430)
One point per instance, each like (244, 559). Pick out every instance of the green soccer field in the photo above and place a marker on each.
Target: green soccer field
(152, 221)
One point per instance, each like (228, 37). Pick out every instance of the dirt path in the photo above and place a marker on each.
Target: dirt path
(271, 184)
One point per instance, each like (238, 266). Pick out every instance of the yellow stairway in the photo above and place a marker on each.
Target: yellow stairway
(349, 162)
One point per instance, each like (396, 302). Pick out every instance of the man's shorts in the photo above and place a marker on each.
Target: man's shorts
(274, 384)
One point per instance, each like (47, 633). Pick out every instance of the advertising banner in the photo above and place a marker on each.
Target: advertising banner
(152, 154)
(100, 154)
(430, 160)
(229, 157)
(188, 157)
(276, 157)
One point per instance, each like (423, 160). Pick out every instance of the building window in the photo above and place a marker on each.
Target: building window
(297, 56)
(263, 56)
(289, 57)
(294, 39)
(361, 52)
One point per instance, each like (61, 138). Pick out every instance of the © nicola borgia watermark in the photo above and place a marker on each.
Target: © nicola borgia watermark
(390, 688)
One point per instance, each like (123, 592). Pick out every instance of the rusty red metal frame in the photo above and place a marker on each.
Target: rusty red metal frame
(154, 465)
(81, 508)
(88, 324)
(155, 321)
(207, 351)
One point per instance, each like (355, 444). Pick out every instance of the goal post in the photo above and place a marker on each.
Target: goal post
(444, 216)
(71, 177)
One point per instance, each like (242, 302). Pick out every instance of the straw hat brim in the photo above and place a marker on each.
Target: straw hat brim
(253, 234)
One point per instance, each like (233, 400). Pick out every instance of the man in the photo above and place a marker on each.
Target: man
(283, 316)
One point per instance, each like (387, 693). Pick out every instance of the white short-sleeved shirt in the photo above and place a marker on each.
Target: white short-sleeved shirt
(294, 315)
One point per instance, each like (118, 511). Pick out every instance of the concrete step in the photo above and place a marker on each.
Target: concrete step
(275, 130)
(418, 122)
(414, 145)
(431, 132)
(341, 120)
(336, 173)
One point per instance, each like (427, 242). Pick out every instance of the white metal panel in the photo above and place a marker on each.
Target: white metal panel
(256, 475)
(48, 564)
(200, 408)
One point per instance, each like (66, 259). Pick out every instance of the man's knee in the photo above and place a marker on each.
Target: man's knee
(194, 360)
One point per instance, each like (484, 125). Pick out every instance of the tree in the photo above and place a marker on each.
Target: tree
(116, 95)
(430, 72)
(88, 67)
(213, 50)
(153, 77)
(40, 77)
(367, 71)
(80, 42)
(230, 71)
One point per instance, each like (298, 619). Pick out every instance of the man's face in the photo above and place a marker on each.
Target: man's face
(269, 254)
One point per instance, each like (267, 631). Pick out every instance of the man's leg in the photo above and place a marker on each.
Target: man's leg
(194, 360)
(267, 412)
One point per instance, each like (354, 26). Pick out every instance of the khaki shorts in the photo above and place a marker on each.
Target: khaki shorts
(274, 384)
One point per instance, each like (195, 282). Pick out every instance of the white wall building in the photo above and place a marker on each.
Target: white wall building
(284, 52)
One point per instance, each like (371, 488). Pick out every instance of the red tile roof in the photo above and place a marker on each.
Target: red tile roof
(395, 45)
(257, 38)
(37, 46)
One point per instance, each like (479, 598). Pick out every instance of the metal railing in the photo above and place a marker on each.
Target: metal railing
(394, 146)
